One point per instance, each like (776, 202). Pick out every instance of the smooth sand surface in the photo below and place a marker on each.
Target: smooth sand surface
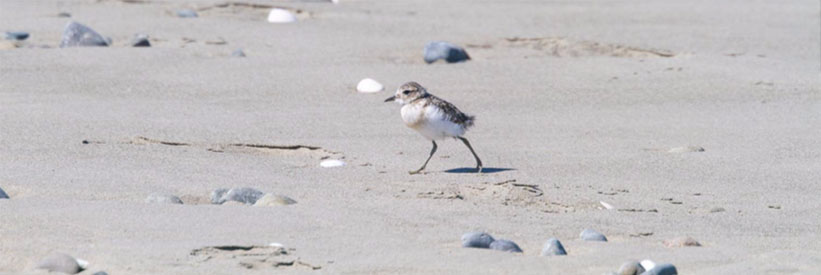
(564, 110)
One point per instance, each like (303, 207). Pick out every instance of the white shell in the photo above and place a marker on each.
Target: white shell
(277, 245)
(82, 263)
(328, 163)
(368, 85)
(648, 264)
(281, 16)
(606, 205)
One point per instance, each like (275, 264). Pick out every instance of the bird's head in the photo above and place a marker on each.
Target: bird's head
(407, 93)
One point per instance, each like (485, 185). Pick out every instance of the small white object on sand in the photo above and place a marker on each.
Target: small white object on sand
(369, 85)
(329, 163)
(606, 205)
(281, 16)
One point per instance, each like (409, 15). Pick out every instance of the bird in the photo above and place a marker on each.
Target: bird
(433, 117)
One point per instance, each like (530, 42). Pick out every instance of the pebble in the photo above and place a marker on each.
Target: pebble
(238, 53)
(662, 269)
(368, 85)
(281, 16)
(78, 35)
(631, 268)
(505, 245)
(140, 40)
(687, 149)
(553, 247)
(3, 194)
(592, 235)
(63, 14)
(186, 13)
(647, 264)
(60, 262)
(100, 273)
(681, 242)
(443, 50)
(244, 195)
(274, 200)
(17, 36)
(606, 205)
(717, 209)
(163, 198)
(329, 163)
(477, 240)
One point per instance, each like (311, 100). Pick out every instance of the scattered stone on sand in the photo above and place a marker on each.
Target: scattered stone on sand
(274, 200)
(553, 247)
(681, 242)
(451, 53)
(140, 40)
(329, 163)
(647, 264)
(775, 206)
(661, 269)
(163, 198)
(688, 149)
(100, 273)
(592, 235)
(631, 268)
(63, 14)
(477, 240)
(18, 36)
(3, 194)
(187, 13)
(238, 53)
(244, 195)
(505, 245)
(369, 85)
(717, 209)
(78, 35)
(59, 262)
(281, 16)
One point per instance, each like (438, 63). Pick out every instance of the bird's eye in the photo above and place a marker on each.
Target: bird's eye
(406, 92)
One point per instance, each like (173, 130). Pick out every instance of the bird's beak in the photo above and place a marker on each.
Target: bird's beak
(390, 99)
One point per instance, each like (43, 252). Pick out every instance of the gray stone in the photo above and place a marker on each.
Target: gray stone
(100, 273)
(553, 247)
(63, 14)
(477, 240)
(592, 235)
(163, 198)
(274, 200)
(19, 36)
(3, 194)
(505, 245)
(451, 53)
(186, 13)
(238, 53)
(244, 195)
(60, 262)
(662, 269)
(631, 268)
(78, 35)
(140, 40)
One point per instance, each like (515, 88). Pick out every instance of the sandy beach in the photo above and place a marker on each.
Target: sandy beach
(689, 118)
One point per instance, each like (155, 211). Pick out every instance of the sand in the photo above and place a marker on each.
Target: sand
(576, 103)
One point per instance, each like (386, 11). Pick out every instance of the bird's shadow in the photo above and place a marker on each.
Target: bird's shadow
(485, 170)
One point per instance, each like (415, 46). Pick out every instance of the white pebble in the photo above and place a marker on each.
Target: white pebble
(329, 163)
(606, 205)
(82, 263)
(281, 16)
(368, 85)
(277, 245)
(648, 264)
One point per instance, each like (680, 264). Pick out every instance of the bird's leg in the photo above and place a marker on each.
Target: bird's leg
(478, 161)
(426, 161)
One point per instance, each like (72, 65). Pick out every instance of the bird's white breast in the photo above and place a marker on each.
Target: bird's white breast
(430, 121)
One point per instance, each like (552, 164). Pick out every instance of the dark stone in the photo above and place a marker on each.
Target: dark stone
(140, 40)
(477, 240)
(186, 13)
(592, 235)
(451, 53)
(505, 245)
(20, 36)
(662, 269)
(553, 247)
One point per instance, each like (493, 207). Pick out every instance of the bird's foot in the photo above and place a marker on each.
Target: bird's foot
(416, 172)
